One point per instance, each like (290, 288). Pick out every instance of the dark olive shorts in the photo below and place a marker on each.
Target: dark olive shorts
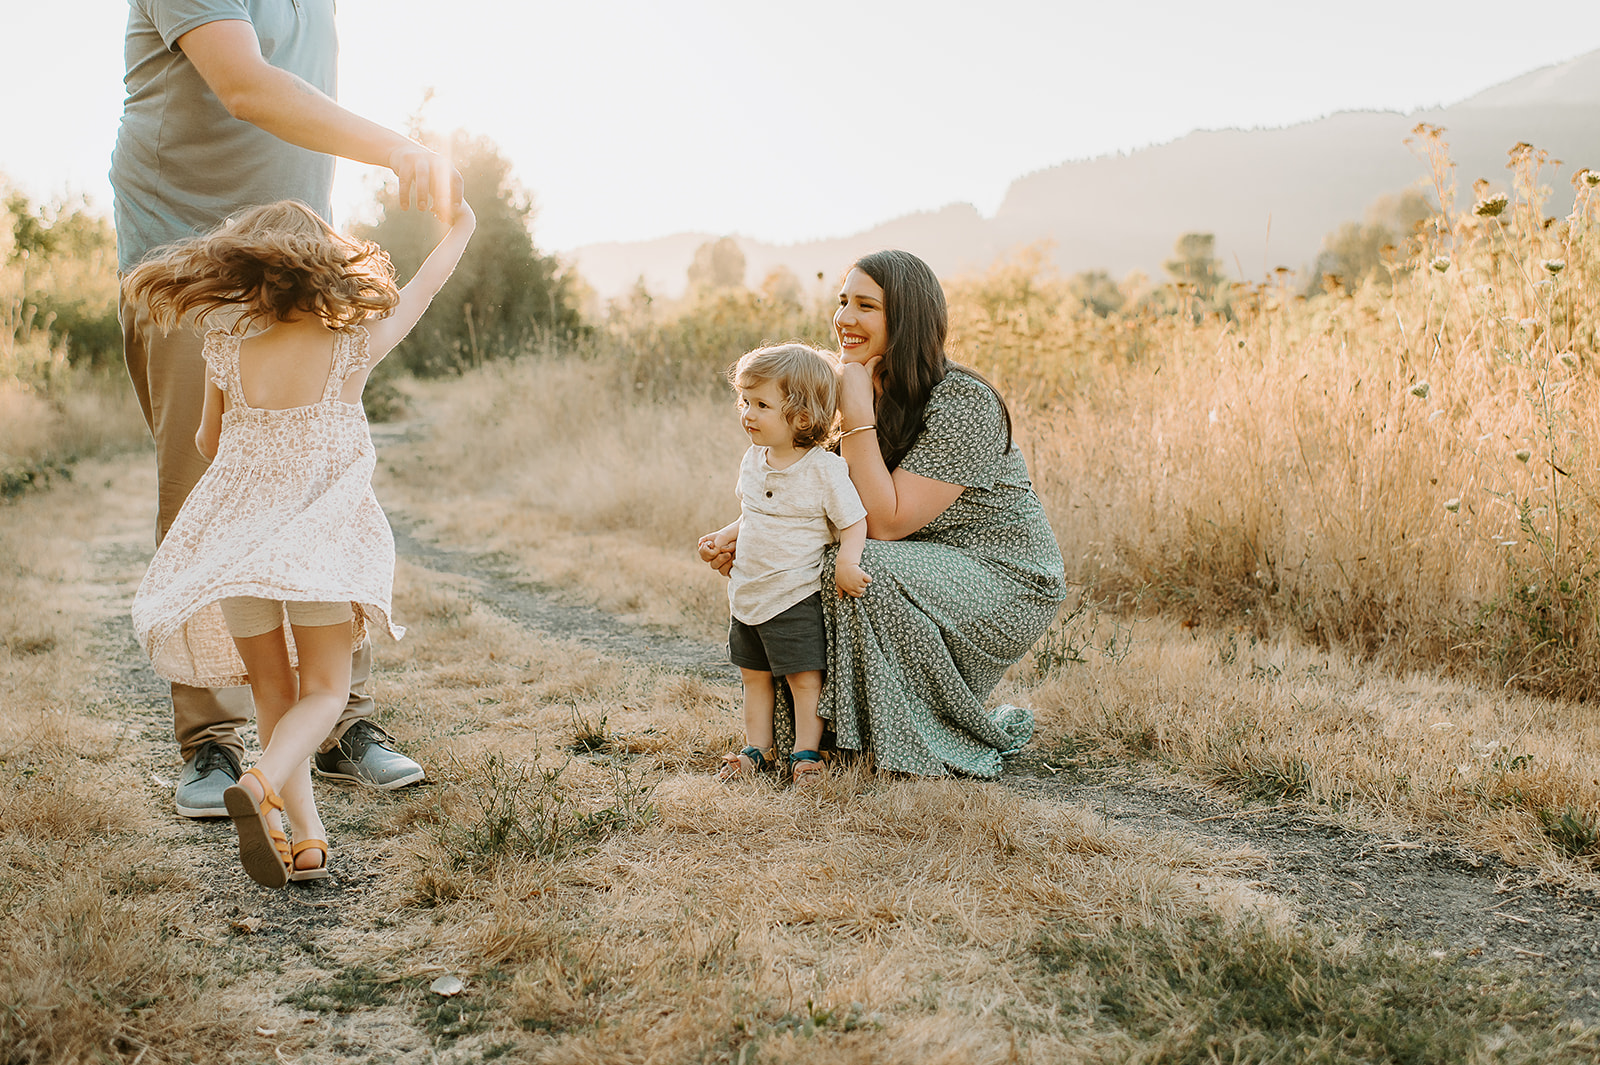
(792, 642)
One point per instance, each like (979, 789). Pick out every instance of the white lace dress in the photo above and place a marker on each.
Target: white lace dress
(286, 512)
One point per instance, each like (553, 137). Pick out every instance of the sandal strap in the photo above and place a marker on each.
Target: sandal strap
(269, 798)
(758, 757)
(280, 843)
(309, 845)
(807, 756)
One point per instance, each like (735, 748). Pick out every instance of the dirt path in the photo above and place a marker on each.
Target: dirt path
(1408, 887)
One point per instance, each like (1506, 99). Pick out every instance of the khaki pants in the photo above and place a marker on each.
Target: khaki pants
(169, 375)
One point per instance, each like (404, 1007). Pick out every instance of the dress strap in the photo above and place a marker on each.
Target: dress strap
(350, 353)
(221, 352)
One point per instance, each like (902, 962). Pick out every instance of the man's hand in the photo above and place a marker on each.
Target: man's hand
(427, 181)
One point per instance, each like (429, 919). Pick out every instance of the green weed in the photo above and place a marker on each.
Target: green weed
(1269, 779)
(589, 737)
(1078, 633)
(1206, 993)
(349, 990)
(519, 811)
(1574, 833)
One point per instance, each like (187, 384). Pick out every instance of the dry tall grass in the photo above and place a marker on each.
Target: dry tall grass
(602, 898)
(1399, 478)
(1254, 505)
(52, 414)
(1408, 471)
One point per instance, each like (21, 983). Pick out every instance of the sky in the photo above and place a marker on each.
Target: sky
(785, 122)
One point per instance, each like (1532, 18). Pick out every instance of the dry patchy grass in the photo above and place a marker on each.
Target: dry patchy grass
(602, 898)
(1255, 506)
(1270, 716)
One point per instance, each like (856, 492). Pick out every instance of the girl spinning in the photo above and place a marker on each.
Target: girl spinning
(284, 523)
(793, 495)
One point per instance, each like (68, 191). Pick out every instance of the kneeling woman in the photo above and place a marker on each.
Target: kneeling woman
(966, 571)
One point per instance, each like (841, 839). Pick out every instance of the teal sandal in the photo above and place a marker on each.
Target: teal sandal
(748, 762)
(808, 767)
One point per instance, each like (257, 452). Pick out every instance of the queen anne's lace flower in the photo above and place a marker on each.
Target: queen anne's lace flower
(1491, 206)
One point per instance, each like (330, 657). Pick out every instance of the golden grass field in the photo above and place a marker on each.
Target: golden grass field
(1306, 582)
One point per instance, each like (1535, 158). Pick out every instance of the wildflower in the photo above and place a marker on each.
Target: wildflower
(1452, 505)
(1491, 206)
(1554, 266)
(1568, 359)
(1420, 390)
(1523, 454)
(1440, 263)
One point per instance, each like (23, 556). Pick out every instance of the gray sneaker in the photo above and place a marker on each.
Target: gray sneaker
(212, 770)
(366, 755)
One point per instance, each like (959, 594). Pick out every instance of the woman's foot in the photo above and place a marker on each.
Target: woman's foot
(747, 762)
(310, 860)
(263, 848)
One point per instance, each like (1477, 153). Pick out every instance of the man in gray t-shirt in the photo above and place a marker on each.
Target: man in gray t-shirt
(230, 103)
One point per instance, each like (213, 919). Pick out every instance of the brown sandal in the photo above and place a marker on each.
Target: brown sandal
(747, 762)
(316, 872)
(263, 850)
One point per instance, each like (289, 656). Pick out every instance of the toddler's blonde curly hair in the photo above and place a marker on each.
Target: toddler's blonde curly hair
(808, 380)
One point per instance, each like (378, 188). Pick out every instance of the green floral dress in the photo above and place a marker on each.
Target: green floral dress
(950, 608)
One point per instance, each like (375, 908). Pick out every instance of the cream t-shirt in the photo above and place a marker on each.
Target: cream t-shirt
(787, 517)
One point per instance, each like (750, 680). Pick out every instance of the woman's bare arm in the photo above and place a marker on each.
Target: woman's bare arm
(899, 503)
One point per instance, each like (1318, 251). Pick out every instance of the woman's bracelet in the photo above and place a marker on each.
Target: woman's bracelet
(857, 429)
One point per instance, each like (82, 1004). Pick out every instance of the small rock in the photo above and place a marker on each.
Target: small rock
(248, 925)
(447, 985)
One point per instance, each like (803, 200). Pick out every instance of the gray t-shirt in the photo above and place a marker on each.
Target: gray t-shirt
(182, 163)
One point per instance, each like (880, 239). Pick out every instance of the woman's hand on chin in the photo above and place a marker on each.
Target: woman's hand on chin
(857, 393)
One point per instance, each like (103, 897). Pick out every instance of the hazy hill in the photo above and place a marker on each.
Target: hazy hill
(1269, 195)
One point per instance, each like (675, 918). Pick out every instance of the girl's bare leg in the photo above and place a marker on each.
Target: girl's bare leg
(295, 714)
(274, 689)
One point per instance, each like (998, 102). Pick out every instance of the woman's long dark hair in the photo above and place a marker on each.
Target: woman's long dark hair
(914, 360)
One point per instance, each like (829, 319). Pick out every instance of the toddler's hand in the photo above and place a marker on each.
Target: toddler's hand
(717, 554)
(851, 580)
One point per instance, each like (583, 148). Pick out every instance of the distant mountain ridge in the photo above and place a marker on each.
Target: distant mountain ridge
(1270, 196)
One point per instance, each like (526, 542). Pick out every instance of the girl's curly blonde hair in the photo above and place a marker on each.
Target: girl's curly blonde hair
(806, 377)
(273, 262)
